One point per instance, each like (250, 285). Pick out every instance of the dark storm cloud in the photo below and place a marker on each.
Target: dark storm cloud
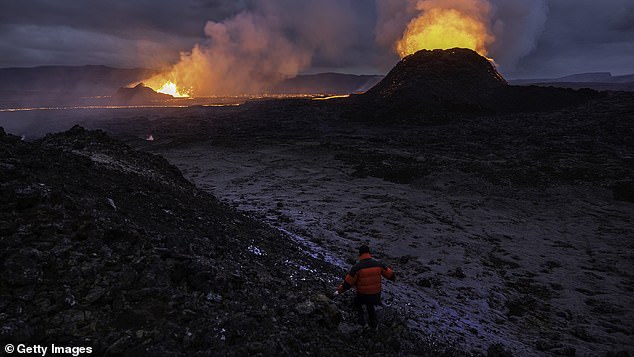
(114, 32)
(153, 33)
(119, 17)
(577, 35)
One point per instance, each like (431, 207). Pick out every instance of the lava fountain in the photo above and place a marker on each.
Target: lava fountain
(163, 84)
(447, 24)
(170, 88)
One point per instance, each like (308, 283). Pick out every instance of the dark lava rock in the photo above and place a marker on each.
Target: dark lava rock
(434, 79)
(457, 80)
(564, 351)
(108, 247)
(457, 273)
(498, 350)
(428, 282)
(138, 94)
(623, 191)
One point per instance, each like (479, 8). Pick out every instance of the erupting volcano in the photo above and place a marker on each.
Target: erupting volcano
(454, 79)
(457, 80)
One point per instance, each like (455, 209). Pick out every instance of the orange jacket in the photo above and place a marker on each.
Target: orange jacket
(366, 275)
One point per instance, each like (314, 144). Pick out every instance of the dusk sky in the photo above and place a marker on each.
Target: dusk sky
(533, 38)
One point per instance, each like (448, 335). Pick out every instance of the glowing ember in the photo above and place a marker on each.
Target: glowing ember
(441, 28)
(170, 88)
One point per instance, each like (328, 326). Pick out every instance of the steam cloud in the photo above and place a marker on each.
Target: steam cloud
(514, 24)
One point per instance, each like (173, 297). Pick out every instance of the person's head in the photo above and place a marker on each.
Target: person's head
(364, 249)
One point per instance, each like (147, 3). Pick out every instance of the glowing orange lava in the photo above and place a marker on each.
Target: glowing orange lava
(332, 97)
(441, 28)
(172, 89)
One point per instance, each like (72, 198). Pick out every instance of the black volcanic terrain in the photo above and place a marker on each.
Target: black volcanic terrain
(505, 211)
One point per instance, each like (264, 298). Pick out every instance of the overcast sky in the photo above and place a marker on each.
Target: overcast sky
(565, 36)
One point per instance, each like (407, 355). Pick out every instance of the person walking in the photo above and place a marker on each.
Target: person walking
(365, 276)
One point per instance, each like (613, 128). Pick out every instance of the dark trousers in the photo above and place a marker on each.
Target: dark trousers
(368, 301)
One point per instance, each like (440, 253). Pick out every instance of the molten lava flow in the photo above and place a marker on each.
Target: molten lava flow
(332, 97)
(442, 28)
(170, 88)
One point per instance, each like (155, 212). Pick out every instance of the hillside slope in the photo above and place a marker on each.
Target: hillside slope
(456, 80)
(107, 247)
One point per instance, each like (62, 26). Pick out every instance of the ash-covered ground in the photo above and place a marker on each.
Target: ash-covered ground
(512, 229)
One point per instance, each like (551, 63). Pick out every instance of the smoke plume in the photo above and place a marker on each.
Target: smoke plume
(270, 40)
(267, 42)
(516, 25)
(242, 55)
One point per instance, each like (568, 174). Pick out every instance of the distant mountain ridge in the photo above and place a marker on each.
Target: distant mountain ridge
(68, 80)
(327, 83)
(91, 80)
(592, 80)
